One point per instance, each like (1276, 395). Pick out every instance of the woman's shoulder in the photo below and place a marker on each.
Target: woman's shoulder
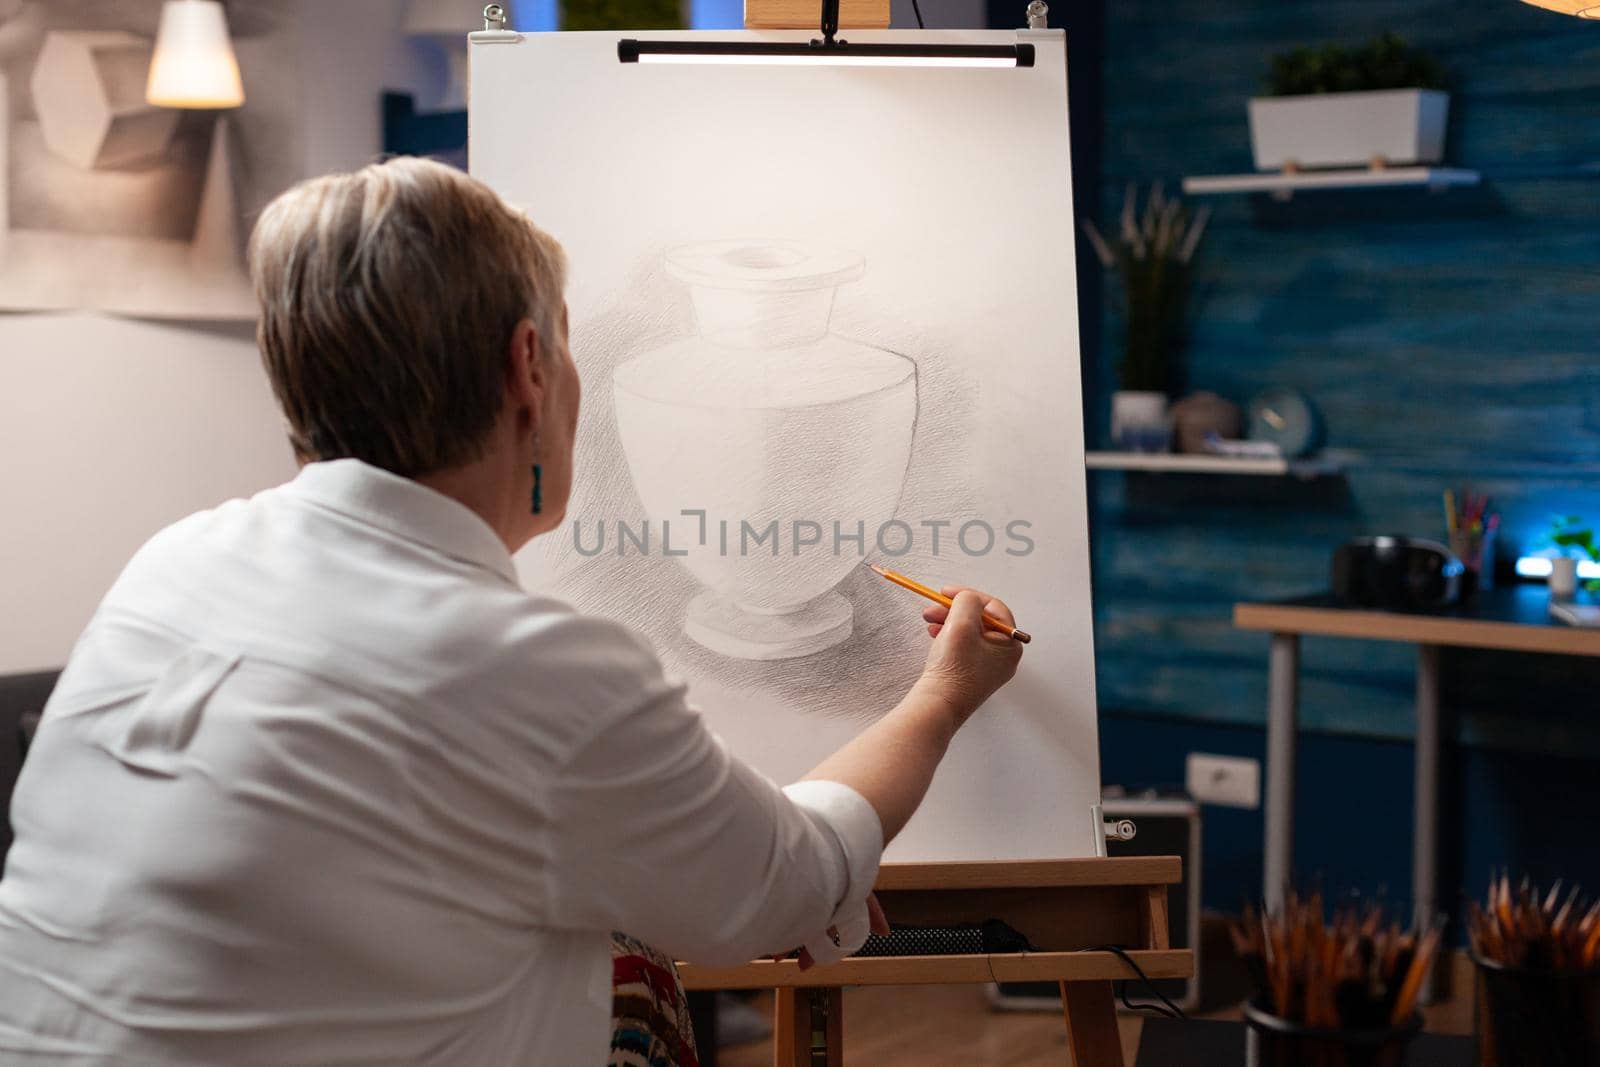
(586, 661)
(553, 625)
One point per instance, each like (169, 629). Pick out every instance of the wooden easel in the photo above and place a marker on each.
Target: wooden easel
(1063, 907)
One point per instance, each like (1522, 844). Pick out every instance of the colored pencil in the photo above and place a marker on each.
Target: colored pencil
(1468, 513)
(939, 598)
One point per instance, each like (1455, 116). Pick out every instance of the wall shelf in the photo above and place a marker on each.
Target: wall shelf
(1283, 185)
(1181, 463)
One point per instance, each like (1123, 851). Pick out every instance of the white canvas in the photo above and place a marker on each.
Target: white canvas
(812, 305)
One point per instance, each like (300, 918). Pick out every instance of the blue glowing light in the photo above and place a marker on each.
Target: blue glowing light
(1540, 567)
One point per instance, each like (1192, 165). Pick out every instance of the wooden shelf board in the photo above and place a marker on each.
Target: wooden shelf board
(1188, 463)
(1312, 180)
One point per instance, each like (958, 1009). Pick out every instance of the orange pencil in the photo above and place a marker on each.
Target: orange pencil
(939, 598)
(1420, 964)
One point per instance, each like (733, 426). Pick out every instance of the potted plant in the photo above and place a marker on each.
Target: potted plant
(1376, 104)
(1154, 254)
(1574, 540)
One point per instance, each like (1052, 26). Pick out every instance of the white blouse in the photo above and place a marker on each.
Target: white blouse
(321, 784)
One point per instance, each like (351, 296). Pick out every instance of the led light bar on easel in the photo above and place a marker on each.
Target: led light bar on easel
(838, 54)
(829, 50)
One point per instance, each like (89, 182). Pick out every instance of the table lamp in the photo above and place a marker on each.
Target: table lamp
(194, 65)
(194, 68)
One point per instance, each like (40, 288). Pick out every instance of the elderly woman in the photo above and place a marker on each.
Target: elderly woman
(322, 784)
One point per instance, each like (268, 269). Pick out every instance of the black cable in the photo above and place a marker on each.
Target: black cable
(917, 9)
(1146, 1006)
(1171, 1011)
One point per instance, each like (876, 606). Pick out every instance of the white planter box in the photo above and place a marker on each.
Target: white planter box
(1398, 126)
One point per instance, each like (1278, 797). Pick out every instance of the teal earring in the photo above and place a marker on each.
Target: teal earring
(538, 496)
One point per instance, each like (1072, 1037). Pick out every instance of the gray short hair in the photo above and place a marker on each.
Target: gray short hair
(388, 298)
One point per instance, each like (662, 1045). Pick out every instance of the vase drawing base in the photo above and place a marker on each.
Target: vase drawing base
(721, 625)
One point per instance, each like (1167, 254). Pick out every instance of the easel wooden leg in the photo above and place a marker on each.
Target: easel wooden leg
(808, 1028)
(1091, 1024)
(789, 1034)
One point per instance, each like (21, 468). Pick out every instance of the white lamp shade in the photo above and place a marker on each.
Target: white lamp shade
(446, 18)
(194, 65)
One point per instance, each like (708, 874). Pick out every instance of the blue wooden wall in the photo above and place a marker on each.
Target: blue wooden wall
(1445, 337)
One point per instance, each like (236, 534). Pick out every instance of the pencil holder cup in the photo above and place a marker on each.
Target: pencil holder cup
(1476, 553)
(1536, 1018)
(1279, 1042)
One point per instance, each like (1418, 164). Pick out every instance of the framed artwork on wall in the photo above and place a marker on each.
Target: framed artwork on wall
(111, 203)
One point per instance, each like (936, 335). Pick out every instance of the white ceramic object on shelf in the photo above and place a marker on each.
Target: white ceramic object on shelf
(1140, 421)
(765, 417)
(1563, 578)
(1394, 126)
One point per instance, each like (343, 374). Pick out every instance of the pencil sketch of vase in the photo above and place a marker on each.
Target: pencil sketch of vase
(793, 441)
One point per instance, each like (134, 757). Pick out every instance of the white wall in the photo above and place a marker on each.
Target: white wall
(350, 51)
(111, 429)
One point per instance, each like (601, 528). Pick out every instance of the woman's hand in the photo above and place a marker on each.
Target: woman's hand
(891, 762)
(968, 661)
(876, 919)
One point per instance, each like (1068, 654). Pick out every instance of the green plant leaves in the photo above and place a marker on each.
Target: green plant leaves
(1153, 252)
(621, 15)
(1385, 62)
(1570, 531)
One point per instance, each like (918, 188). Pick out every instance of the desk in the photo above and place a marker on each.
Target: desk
(1513, 619)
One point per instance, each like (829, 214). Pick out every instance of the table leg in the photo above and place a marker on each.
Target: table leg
(808, 1028)
(1425, 821)
(1283, 708)
(1091, 1015)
